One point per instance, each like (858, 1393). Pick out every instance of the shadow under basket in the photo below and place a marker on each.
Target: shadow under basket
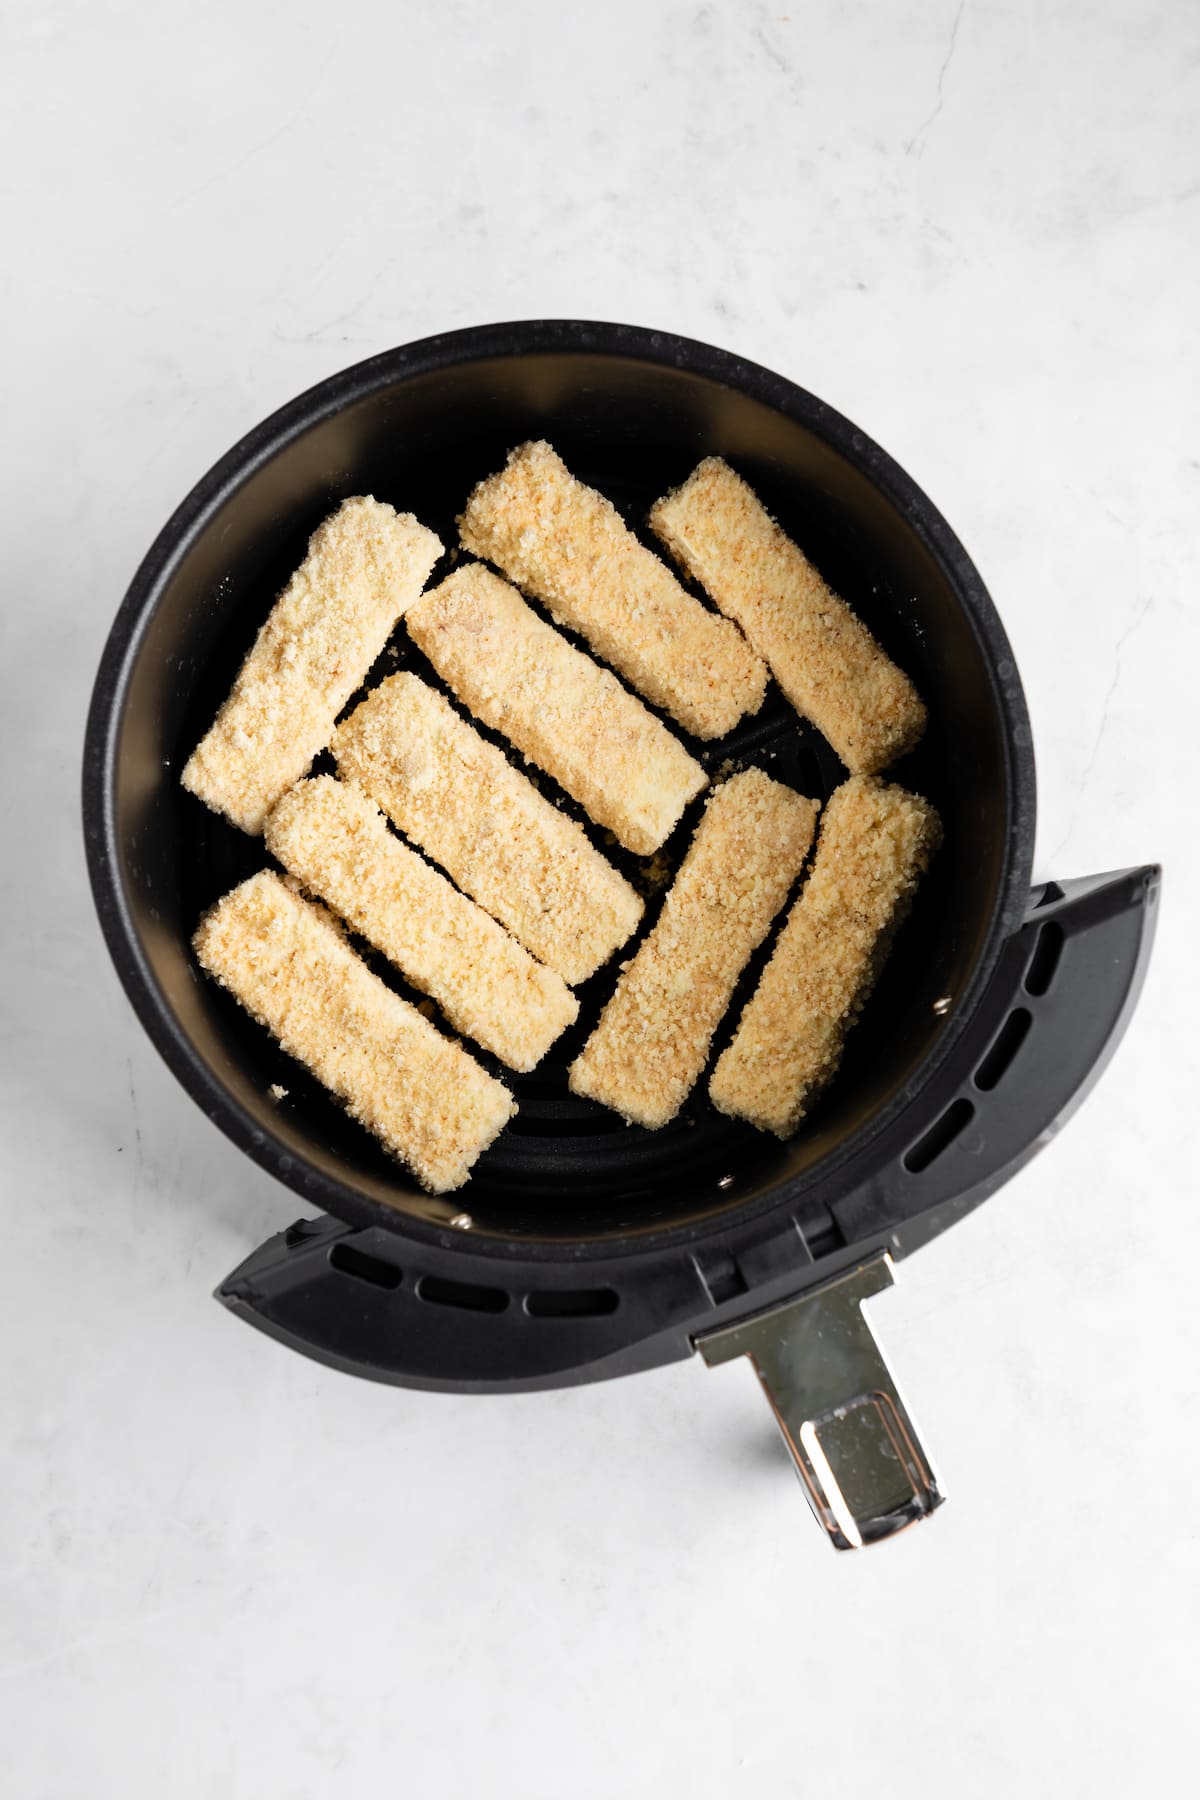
(583, 1248)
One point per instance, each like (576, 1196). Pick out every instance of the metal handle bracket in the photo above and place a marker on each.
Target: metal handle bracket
(852, 1439)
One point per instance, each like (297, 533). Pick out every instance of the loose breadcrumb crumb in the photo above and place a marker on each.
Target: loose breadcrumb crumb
(876, 841)
(334, 839)
(567, 545)
(566, 713)
(364, 565)
(288, 964)
(653, 1038)
(822, 656)
(458, 797)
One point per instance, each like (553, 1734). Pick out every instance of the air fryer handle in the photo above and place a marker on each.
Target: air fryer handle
(376, 1304)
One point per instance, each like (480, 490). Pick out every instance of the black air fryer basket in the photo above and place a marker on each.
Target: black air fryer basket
(582, 1248)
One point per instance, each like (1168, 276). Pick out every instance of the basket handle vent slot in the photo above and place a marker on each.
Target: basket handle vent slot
(939, 1137)
(1003, 1052)
(571, 1303)
(362, 1267)
(463, 1294)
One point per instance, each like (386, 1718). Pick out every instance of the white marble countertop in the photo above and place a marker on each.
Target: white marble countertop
(230, 1572)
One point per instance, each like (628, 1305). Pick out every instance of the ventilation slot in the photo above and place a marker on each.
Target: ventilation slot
(1044, 961)
(939, 1137)
(462, 1294)
(365, 1268)
(1008, 1041)
(571, 1303)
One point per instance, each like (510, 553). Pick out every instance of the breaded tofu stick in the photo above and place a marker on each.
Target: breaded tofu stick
(567, 545)
(334, 839)
(365, 564)
(646, 1054)
(486, 824)
(288, 964)
(876, 841)
(567, 714)
(822, 656)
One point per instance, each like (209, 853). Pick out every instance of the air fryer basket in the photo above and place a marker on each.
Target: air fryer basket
(582, 1247)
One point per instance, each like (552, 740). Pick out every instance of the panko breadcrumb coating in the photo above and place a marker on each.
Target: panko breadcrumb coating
(822, 656)
(288, 964)
(653, 1038)
(458, 797)
(567, 714)
(364, 565)
(569, 547)
(334, 839)
(876, 841)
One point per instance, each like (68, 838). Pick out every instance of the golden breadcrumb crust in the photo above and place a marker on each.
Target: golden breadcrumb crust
(364, 565)
(288, 964)
(333, 838)
(822, 656)
(653, 1038)
(876, 841)
(567, 545)
(562, 710)
(458, 797)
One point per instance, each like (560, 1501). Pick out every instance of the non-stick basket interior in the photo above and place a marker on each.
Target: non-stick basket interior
(566, 1168)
